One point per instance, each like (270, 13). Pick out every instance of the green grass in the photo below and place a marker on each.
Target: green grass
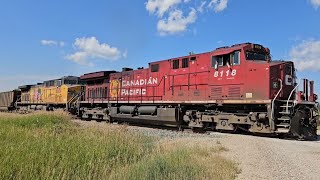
(180, 164)
(50, 146)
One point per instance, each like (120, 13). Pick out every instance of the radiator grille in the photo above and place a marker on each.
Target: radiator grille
(234, 92)
(216, 93)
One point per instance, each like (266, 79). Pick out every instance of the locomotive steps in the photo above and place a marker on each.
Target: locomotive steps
(284, 120)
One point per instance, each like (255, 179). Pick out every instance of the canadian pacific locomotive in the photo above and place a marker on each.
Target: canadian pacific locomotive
(227, 89)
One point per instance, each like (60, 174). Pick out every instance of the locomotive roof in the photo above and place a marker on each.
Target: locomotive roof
(25, 87)
(192, 55)
(98, 74)
(64, 77)
(219, 50)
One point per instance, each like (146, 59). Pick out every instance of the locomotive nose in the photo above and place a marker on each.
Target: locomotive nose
(288, 74)
(285, 72)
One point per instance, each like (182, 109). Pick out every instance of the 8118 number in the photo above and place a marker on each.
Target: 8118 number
(225, 73)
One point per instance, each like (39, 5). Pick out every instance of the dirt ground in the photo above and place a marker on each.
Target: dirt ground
(271, 158)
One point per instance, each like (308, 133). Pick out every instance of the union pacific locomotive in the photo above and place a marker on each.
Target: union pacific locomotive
(236, 88)
(49, 95)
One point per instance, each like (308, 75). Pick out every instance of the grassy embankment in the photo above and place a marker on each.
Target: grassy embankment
(50, 146)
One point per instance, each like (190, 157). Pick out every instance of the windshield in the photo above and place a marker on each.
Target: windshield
(256, 56)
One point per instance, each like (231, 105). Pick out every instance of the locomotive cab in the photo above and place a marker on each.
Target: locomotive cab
(247, 74)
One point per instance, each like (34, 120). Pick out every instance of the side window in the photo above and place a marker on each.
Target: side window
(217, 61)
(226, 59)
(236, 58)
(214, 61)
(154, 67)
(175, 64)
(220, 60)
(185, 62)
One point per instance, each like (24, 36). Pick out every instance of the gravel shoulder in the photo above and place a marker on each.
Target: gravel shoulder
(271, 158)
(258, 157)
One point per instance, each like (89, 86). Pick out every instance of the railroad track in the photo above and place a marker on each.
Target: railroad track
(185, 129)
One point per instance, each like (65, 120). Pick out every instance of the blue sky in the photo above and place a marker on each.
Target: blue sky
(47, 39)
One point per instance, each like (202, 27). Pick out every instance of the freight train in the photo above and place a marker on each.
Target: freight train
(236, 88)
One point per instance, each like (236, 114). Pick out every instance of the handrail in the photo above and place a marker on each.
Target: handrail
(16, 102)
(287, 107)
(272, 110)
(73, 98)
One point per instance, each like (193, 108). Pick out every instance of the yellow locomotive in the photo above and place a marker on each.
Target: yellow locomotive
(57, 93)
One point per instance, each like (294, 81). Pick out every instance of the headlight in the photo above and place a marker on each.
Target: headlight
(288, 70)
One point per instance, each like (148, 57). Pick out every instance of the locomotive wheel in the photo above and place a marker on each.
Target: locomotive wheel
(198, 130)
(89, 118)
(302, 126)
(109, 120)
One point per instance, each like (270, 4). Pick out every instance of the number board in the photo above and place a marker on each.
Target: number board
(225, 73)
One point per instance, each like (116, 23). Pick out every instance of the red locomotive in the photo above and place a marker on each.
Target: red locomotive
(227, 89)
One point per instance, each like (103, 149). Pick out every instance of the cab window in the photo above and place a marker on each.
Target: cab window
(226, 59)
(220, 60)
(260, 56)
(235, 58)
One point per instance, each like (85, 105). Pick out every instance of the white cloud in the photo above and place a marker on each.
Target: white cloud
(315, 3)
(176, 22)
(159, 7)
(201, 7)
(306, 55)
(170, 13)
(61, 43)
(48, 42)
(218, 5)
(80, 58)
(91, 48)
(125, 54)
(52, 43)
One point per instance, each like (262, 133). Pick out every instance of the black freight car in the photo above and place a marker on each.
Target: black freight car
(8, 100)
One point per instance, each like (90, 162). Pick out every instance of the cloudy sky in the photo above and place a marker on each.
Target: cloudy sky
(47, 39)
